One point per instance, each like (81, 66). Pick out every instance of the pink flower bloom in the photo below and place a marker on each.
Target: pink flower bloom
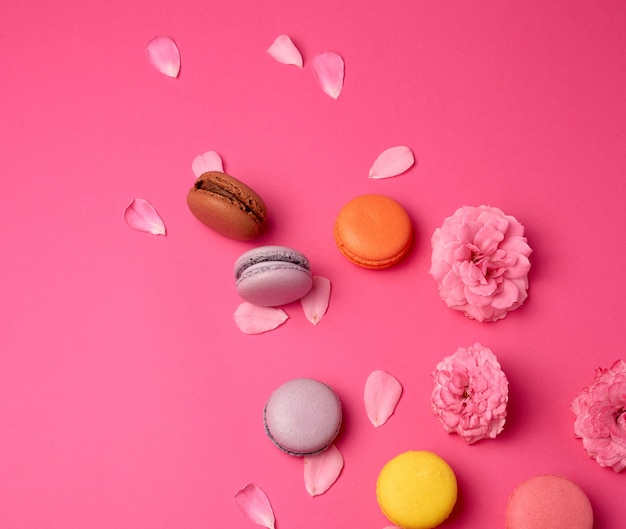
(480, 261)
(601, 417)
(470, 393)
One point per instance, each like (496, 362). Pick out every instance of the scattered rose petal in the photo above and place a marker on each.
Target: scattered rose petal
(164, 56)
(209, 161)
(255, 505)
(381, 395)
(600, 422)
(140, 215)
(470, 393)
(322, 470)
(315, 302)
(253, 319)
(285, 51)
(392, 162)
(328, 69)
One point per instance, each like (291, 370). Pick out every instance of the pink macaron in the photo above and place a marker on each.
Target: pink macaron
(270, 276)
(302, 417)
(548, 502)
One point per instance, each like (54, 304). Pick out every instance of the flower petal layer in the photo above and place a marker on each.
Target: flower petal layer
(480, 259)
(255, 505)
(164, 56)
(140, 215)
(392, 162)
(315, 302)
(208, 161)
(322, 470)
(328, 68)
(285, 51)
(252, 319)
(600, 422)
(381, 395)
(470, 394)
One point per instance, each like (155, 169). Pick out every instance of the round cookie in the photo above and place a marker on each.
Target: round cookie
(272, 275)
(302, 417)
(373, 231)
(227, 206)
(416, 490)
(548, 502)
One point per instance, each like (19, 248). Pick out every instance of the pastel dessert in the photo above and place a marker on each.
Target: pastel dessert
(227, 206)
(416, 490)
(272, 275)
(303, 417)
(373, 231)
(548, 502)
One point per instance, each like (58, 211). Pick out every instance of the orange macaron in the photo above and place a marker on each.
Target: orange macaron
(373, 231)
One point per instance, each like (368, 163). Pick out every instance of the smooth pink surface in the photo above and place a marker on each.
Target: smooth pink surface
(548, 502)
(128, 396)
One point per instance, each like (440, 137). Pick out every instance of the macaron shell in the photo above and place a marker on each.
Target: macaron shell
(303, 417)
(238, 213)
(274, 283)
(416, 490)
(548, 502)
(373, 231)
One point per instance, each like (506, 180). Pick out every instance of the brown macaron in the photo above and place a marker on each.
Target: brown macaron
(227, 206)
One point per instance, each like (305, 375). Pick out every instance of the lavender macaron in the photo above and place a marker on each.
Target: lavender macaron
(302, 417)
(270, 276)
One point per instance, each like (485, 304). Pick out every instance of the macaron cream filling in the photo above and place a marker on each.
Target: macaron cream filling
(373, 263)
(247, 204)
(250, 259)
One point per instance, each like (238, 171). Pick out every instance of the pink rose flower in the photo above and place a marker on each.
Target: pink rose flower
(480, 261)
(601, 417)
(470, 393)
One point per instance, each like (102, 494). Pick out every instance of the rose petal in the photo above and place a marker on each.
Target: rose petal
(255, 505)
(209, 161)
(285, 51)
(509, 295)
(392, 162)
(140, 215)
(252, 319)
(322, 470)
(315, 302)
(328, 68)
(164, 56)
(381, 396)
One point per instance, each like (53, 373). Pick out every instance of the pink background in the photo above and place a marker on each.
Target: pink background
(129, 398)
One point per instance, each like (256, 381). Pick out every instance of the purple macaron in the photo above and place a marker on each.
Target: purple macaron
(272, 275)
(302, 417)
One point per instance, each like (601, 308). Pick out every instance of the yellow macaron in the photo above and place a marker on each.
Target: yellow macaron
(416, 490)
